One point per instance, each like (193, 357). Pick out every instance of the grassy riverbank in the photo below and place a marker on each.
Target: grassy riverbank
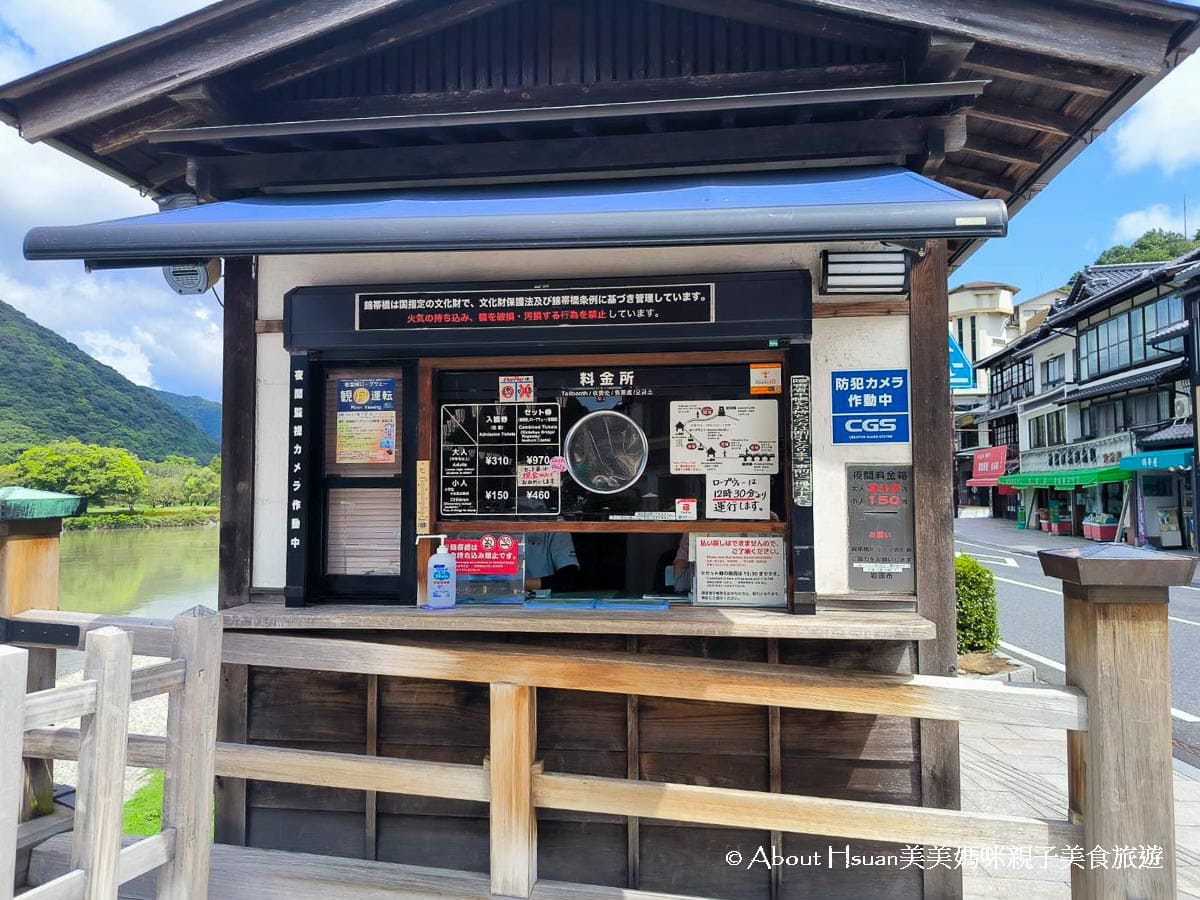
(150, 517)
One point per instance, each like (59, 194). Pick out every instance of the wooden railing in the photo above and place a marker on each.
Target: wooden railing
(1118, 746)
(99, 863)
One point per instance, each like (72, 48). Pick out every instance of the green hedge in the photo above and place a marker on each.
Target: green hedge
(145, 518)
(978, 615)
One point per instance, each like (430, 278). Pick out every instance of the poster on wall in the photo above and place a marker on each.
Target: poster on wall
(728, 437)
(882, 548)
(366, 420)
(737, 496)
(870, 406)
(498, 459)
(739, 570)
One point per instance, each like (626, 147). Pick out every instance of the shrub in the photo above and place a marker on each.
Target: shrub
(978, 615)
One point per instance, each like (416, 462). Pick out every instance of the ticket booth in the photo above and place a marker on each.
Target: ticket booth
(715, 391)
(643, 306)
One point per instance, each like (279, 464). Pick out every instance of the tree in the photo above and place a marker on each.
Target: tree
(1156, 245)
(98, 473)
(202, 487)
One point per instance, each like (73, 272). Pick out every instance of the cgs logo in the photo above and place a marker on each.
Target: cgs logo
(872, 426)
(870, 429)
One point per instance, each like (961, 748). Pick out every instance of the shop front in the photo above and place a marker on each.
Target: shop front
(628, 450)
(1081, 502)
(987, 465)
(1162, 482)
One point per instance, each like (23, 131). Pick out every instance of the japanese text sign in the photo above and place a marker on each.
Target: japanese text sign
(870, 406)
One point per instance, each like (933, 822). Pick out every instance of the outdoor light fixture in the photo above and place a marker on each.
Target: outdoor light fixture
(864, 272)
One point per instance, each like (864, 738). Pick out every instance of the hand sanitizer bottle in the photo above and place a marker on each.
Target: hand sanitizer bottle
(441, 577)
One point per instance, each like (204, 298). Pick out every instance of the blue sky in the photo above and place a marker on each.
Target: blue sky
(1138, 175)
(1133, 178)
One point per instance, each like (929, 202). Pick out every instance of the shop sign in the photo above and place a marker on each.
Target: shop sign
(989, 462)
(603, 383)
(870, 406)
(882, 548)
(737, 496)
(366, 420)
(745, 570)
(710, 437)
(491, 554)
(497, 459)
(661, 304)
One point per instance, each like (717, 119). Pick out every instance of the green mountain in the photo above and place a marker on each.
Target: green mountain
(205, 413)
(50, 390)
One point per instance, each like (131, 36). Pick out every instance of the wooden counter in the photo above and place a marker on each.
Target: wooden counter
(859, 625)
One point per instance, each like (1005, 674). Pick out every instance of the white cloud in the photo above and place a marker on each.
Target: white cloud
(128, 319)
(1133, 225)
(1163, 129)
(126, 356)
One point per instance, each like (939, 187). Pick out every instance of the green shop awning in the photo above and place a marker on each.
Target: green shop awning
(26, 503)
(1067, 479)
(1163, 460)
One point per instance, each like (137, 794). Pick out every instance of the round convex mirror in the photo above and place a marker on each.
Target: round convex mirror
(606, 452)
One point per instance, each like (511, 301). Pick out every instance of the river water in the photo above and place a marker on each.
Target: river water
(155, 573)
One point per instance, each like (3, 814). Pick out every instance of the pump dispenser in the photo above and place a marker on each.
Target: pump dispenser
(441, 577)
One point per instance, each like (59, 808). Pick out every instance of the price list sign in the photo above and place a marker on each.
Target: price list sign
(881, 528)
(496, 459)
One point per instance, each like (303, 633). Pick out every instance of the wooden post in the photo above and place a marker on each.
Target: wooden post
(102, 741)
(238, 395)
(14, 664)
(29, 580)
(513, 816)
(1121, 783)
(191, 753)
(933, 506)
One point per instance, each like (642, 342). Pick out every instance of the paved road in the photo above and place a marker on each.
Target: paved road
(1031, 623)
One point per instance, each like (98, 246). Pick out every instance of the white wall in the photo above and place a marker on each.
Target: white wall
(874, 342)
(879, 342)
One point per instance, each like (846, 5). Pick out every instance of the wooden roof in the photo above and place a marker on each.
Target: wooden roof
(247, 96)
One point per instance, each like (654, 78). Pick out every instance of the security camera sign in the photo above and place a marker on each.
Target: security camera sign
(870, 406)
(728, 437)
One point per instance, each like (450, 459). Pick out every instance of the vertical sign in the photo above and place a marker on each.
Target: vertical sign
(870, 406)
(882, 549)
(801, 429)
(297, 480)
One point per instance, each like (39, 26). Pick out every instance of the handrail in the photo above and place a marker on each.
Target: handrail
(513, 782)
(101, 700)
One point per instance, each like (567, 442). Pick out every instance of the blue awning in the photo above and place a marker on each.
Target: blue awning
(1163, 460)
(875, 203)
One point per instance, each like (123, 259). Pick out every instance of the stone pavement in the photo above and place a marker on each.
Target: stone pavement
(1019, 770)
(1022, 771)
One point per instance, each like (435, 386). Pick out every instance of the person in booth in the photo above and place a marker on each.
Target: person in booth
(550, 561)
